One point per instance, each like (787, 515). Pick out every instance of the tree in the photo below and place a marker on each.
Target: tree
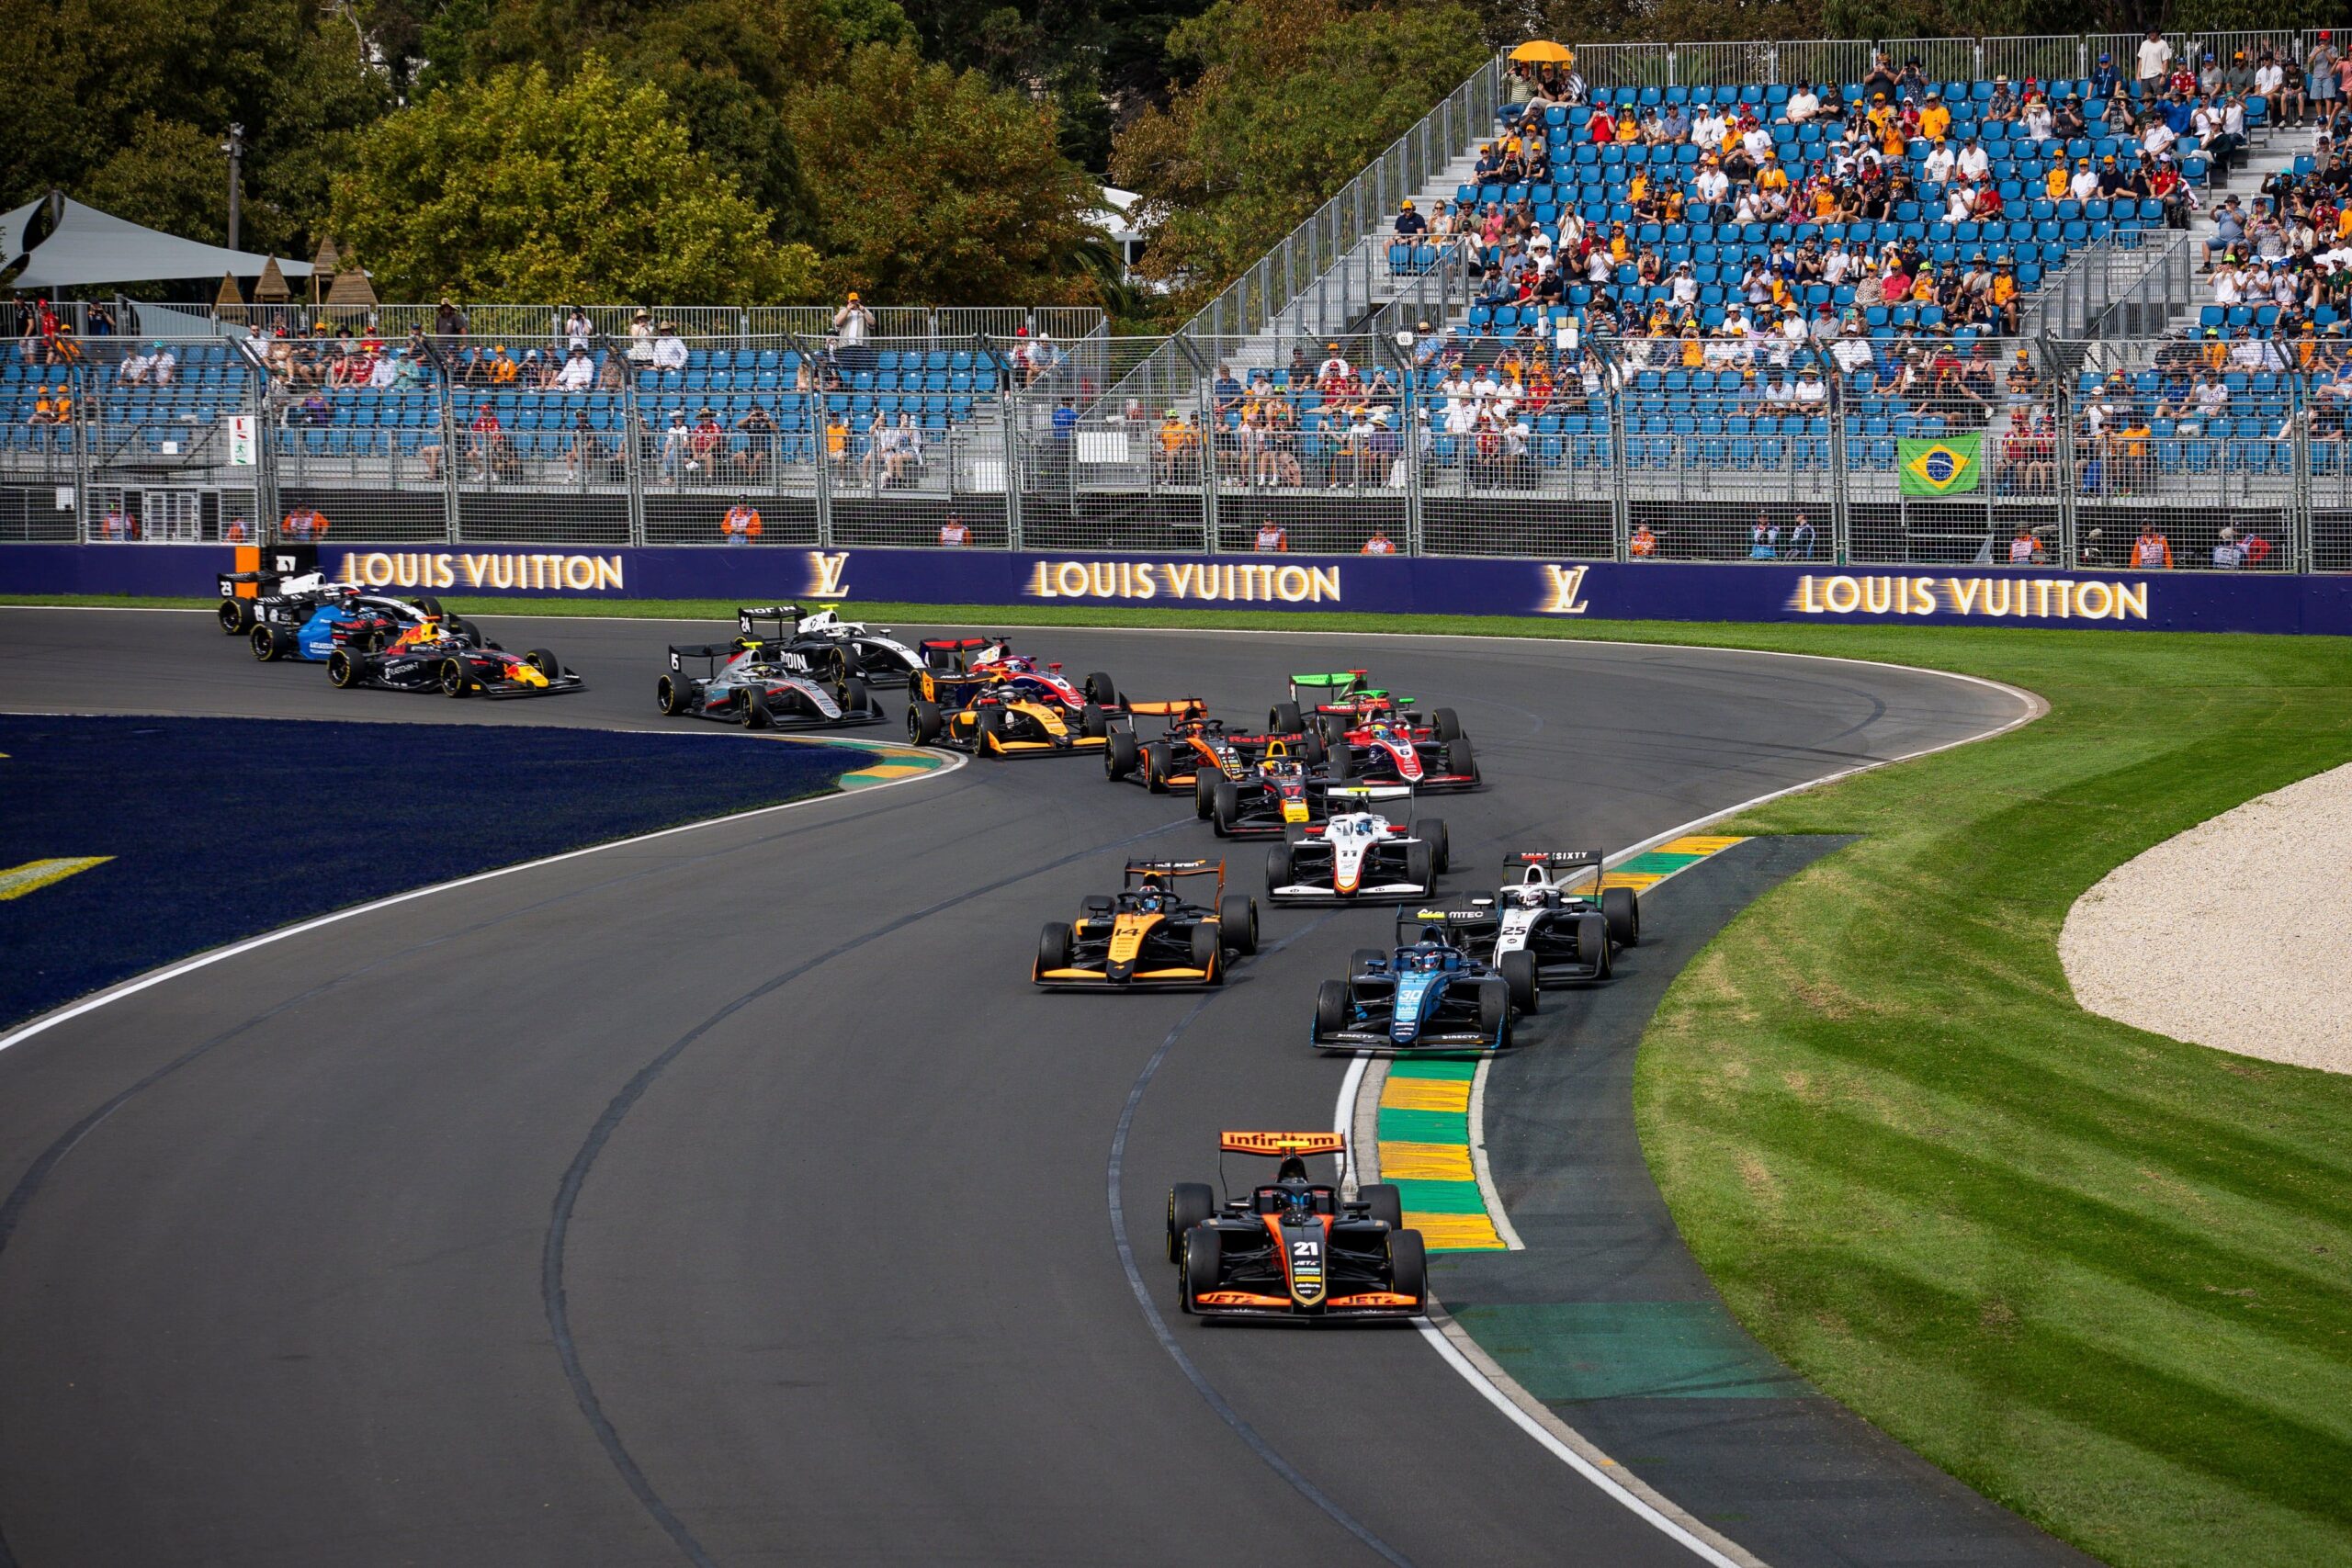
(1287, 101)
(514, 188)
(936, 186)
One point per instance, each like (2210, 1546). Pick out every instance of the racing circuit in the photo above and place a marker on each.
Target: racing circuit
(731, 1197)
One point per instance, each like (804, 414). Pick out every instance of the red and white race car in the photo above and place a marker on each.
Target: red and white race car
(1388, 750)
(1359, 856)
(1038, 681)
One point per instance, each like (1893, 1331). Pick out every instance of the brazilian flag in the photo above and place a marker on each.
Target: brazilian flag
(1940, 464)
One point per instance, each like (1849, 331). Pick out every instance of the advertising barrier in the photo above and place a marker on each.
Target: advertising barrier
(1386, 585)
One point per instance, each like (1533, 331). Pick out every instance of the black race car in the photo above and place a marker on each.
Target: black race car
(1425, 994)
(876, 655)
(433, 657)
(766, 686)
(1293, 1248)
(1557, 917)
(1284, 790)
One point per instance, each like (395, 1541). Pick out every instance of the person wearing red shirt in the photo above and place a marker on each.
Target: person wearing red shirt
(489, 436)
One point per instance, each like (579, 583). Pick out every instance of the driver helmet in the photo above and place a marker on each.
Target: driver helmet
(1428, 958)
(1527, 896)
(1294, 1201)
(1150, 895)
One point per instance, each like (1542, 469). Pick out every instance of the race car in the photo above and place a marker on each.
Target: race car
(1557, 917)
(1294, 1248)
(1338, 700)
(766, 686)
(311, 623)
(1359, 856)
(1146, 937)
(1282, 792)
(876, 654)
(1390, 749)
(1194, 753)
(1039, 683)
(435, 658)
(1425, 994)
(992, 717)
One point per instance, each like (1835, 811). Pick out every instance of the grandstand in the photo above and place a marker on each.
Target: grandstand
(1615, 315)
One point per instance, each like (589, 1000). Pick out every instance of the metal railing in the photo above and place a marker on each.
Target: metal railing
(2061, 56)
(2230, 454)
(542, 325)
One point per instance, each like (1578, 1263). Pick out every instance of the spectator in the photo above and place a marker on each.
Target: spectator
(741, 524)
(1272, 538)
(2155, 63)
(115, 527)
(757, 434)
(135, 366)
(304, 525)
(2023, 551)
(587, 456)
(46, 405)
(1379, 544)
(2228, 554)
(954, 532)
(162, 365)
(2151, 550)
(1409, 223)
(1643, 544)
(234, 531)
(1178, 450)
(640, 338)
(670, 353)
(1800, 539)
(579, 373)
(702, 454)
(448, 322)
(1764, 538)
(853, 326)
(2322, 85)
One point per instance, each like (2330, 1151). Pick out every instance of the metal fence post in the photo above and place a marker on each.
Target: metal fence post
(264, 450)
(821, 435)
(1204, 409)
(1009, 413)
(1621, 500)
(2301, 501)
(1841, 495)
(453, 458)
(2061, 419)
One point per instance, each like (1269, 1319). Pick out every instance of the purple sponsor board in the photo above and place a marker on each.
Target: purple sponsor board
(1391, 584)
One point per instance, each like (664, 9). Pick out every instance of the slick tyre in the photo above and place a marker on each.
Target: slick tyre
(1408, 1266)
(1100, 690)
(1207, 951)
(1053, 947)
(673, 695)
(270, 643)
(1420, 865)
(1441, 842)
(455, 681)
(430, 605)
(988, 733)
(1592, 943)
(923, 722)
(1284, 718)
(1155, 767)
(1236, 919)
(342, 670)
(855, 698)
(1201, 1265)
(1278, 867)
(546, 663)
(1461, 758)
(1119, 756)
(1444, 725)
(1311, 751)
(1494, 1010)
(1205, 794)
(1386, 1202)
(757, 715)
(1224, 806)
(1188, 1203)
(1623, 914)
(236, 617)
(1091, 722)
(1517, 970)
(1341, 763)
(1331, 1009)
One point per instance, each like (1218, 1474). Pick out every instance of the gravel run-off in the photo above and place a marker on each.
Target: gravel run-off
(2236, 934)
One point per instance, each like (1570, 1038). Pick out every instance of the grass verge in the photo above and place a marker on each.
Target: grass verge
(2102, 1276)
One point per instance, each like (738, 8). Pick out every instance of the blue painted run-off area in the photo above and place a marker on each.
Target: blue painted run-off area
(223, 828)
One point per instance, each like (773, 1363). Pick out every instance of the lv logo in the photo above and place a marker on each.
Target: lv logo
(826, 569)
(1567, 587)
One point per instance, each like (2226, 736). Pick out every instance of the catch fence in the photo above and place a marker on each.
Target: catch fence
(2092, 451)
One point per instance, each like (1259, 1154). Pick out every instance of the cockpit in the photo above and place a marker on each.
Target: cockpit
(1291, 1198)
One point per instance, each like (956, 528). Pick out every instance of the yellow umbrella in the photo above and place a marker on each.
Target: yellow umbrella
(1543, 51)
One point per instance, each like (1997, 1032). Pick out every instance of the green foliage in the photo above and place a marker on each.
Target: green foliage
(1287, 101)
(515, 187)
(937, 185)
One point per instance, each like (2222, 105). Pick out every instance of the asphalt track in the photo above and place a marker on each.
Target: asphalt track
(731, 1198)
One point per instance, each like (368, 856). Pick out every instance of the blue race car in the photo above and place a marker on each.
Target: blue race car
(1427, 994)
(311, 628)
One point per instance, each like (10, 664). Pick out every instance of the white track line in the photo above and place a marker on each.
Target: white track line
(206, 959)
(1460, 1351)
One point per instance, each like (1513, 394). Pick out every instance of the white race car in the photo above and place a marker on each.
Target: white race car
(1558, 913)
(1359, 856)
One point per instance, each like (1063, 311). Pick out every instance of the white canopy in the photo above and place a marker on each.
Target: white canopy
(87, 246)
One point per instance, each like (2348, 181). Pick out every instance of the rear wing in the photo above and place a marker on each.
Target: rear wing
(953, 654)
(783, 620)
(1138, 868)
(1339, 798)
(1174, 707)
(1342, 681)
(1474, 912)
(1554, 861)
(713, 651)
(1275, 1145)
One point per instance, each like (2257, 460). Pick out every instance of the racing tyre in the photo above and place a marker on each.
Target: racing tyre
(1205, 794)
(1331, 1009)
(1278, 867)
(270, 643)
(1207, 950)
(1386, 1202)
(1091, 722)
(1517, 970)
(923, 722)
(1624, 915)
(1364, 958)
(460, 626)
(855, 698)
(1236, 919)
(675, 695)
(546, 663)
(454, 681)
(1284, 718)
(342, 670)
(1494, 1010)
(236, 617)
(430, 605)
(757, 715)
(1225, 805)
(1189, 1204)
(1053, 947)
(1119, 756)
(1155, 767)
(1460, 758)
(1592, 943)
(1408, 1266)
(987, 726)
(1342, 762)
(1203, 1255)
(1441, 842)
(1100, 689)
(1446, 725)
(1311, 752)
(1420, 865)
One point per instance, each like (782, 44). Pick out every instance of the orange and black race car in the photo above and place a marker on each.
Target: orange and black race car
(1147, 938)
(1294, 1248)
(1196, 752)
(990, 717)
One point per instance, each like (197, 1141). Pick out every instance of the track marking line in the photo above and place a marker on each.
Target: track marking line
(34, 875)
